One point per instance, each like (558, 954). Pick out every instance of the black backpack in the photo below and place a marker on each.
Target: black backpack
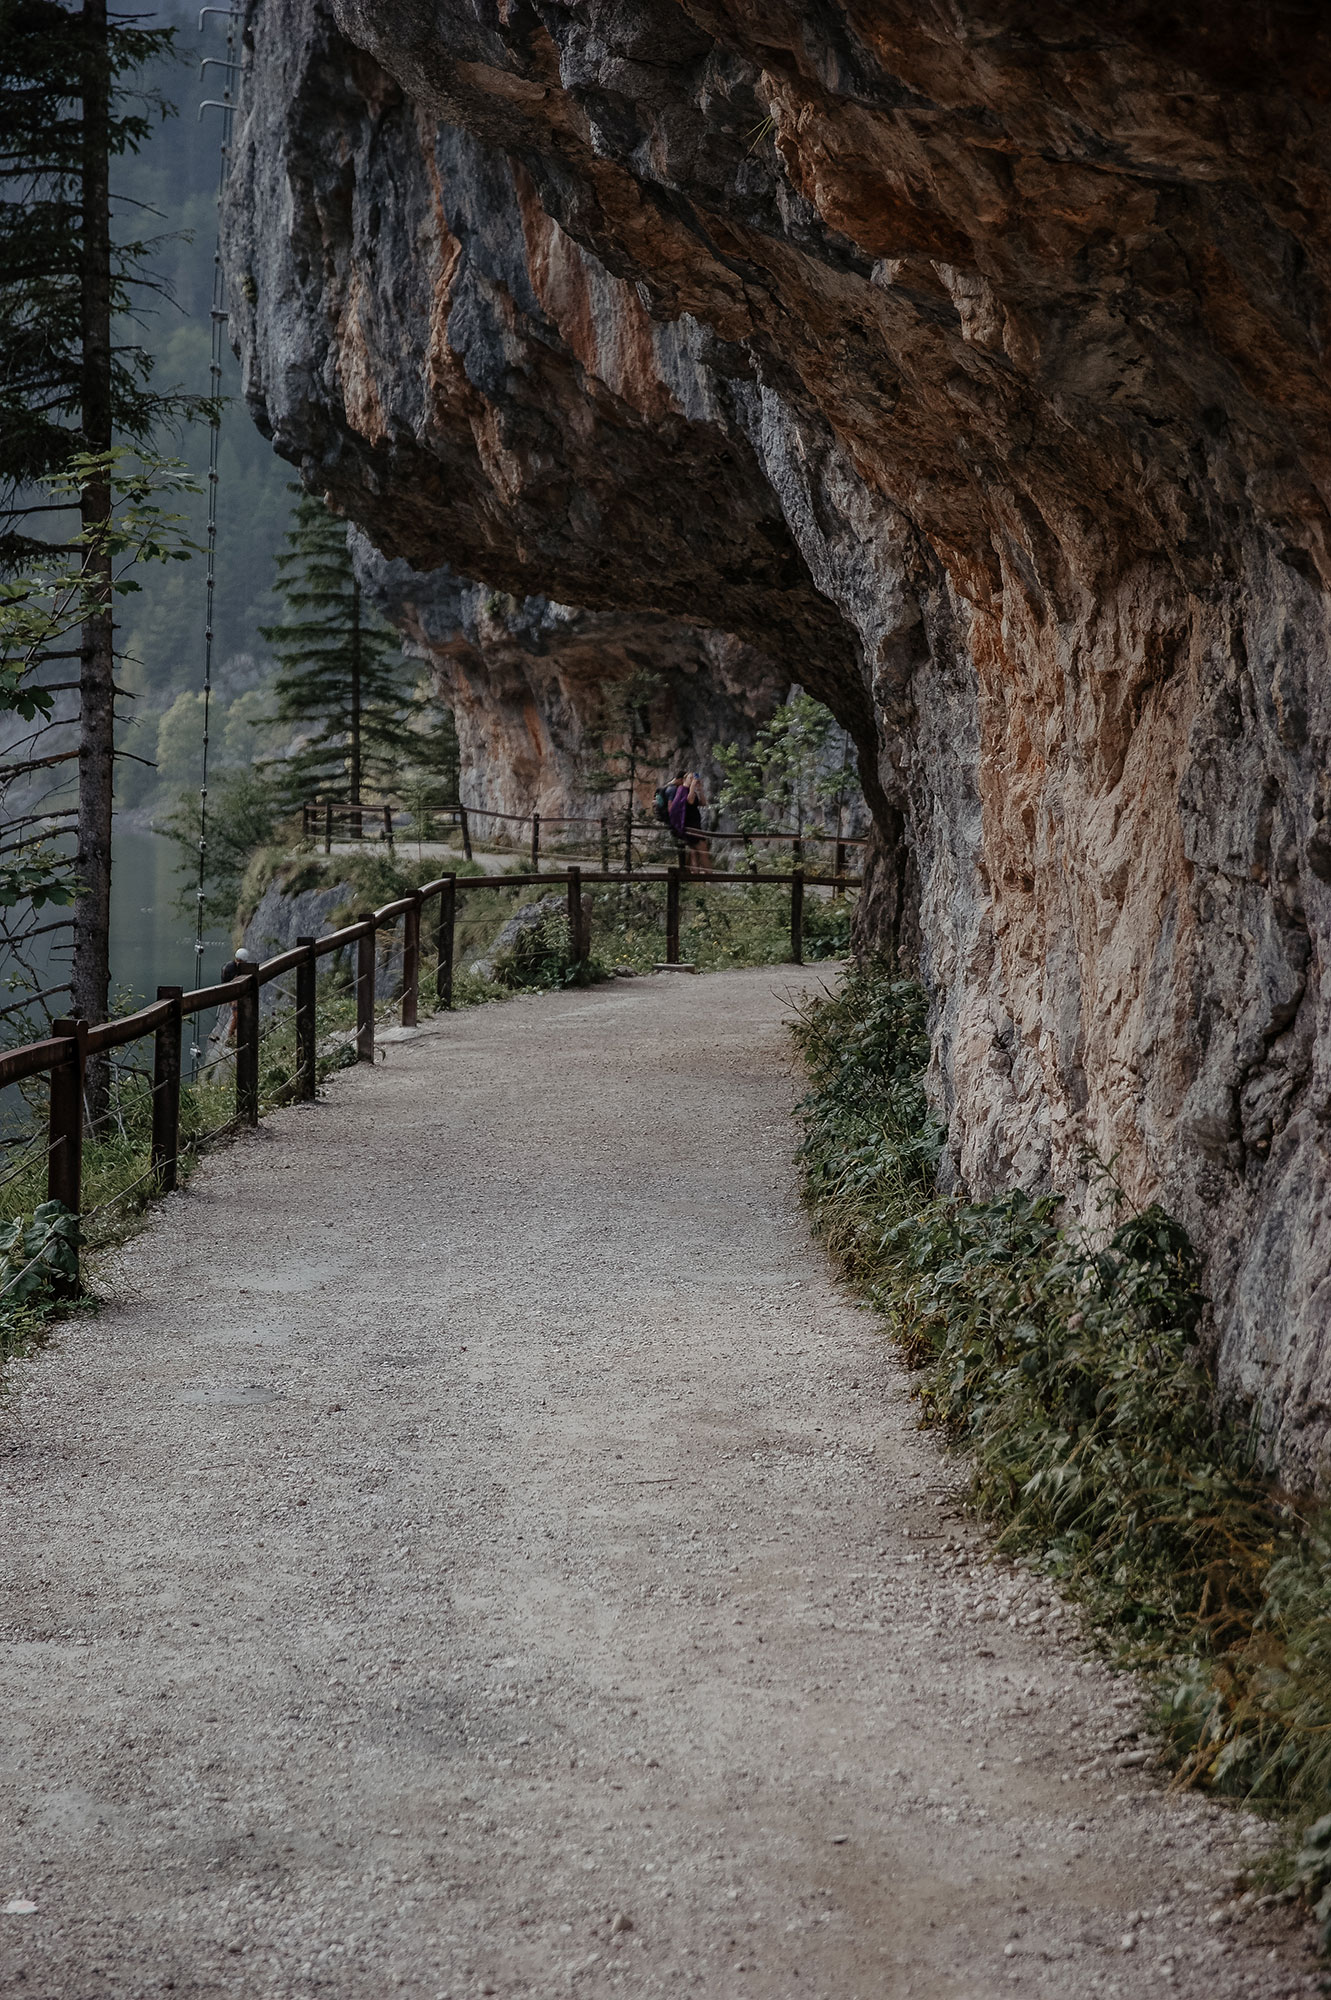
(661, 805)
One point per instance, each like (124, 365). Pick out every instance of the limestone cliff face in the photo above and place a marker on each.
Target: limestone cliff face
(533, 684)
(967, 361)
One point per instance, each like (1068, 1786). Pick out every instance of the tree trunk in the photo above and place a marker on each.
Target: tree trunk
(92, 906)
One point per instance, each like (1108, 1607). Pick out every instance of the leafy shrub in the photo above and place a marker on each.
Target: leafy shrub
(36, 1252)
(540, 959)
(827, 927)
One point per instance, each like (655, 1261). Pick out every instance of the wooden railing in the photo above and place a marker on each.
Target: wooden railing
(321, 817)
(65, 1053)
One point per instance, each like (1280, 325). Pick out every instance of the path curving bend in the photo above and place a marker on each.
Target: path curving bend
(479, 1550)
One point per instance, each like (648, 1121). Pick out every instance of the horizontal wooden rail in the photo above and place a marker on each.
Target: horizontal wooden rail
(287, 961)
(339, 940)
(320, 809)
(126, 1028)
(320, 815)
(466, 883)
(204, 997)
(810, 833)
(32, 1059)
(743, 875)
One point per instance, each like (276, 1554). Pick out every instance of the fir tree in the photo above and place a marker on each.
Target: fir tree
(71, 389)
(432, 767)
(340, 671)
(70, 383)
(625, 744)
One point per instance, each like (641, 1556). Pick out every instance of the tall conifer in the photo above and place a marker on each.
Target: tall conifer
(71, 387)
(340, 670)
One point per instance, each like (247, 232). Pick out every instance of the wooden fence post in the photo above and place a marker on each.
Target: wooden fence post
(628, 840)
(64, 1164)
(605, 845)
(840, 869)
(672, 916)
(365, 989)
(535, 843)
(388, 825)
(443, 977)
(575, 939)
(411, 961)
(166, 1093)
(797, 916)
(328, 829)
(307, 973)
(466, 833)
(247, 1052)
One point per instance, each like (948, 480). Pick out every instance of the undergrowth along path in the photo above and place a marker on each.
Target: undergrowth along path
(479, 1549)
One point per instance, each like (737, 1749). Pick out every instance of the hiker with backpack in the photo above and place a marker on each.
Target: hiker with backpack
(687, 800)
(662, 802)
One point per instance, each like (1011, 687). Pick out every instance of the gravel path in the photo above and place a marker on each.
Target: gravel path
(480, 1551)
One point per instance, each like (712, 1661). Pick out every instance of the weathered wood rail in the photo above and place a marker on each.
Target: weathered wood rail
(65, 1052)
(322, 816)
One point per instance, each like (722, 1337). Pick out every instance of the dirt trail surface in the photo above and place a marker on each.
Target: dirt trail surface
(478, 1550)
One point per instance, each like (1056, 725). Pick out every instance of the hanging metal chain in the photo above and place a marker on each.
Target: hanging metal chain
(226, 105)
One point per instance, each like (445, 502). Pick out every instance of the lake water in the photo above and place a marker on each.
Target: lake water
(152, 936)
(152, 940)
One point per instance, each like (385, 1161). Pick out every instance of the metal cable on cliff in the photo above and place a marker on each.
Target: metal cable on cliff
(226, 105)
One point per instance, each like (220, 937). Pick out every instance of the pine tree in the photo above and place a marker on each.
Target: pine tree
(72, 390)
(340, 671)
(625, 744)
(67, 109)
(432, 765)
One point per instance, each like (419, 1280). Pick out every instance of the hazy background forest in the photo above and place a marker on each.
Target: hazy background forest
(176, 176)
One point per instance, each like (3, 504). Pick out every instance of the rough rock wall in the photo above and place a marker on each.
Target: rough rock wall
(969, 360)
(532, 685)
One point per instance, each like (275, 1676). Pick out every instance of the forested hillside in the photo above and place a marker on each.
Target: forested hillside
(176, 177)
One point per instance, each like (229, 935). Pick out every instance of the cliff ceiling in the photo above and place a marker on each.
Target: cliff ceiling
(965, 361)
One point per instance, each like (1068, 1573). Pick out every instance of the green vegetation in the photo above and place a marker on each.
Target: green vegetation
(45, 614)
(74, 379)
(346, 717)
(627, 740)
(799, 772)
(341, 681)
(76, 396)
(719, 926)
(242, 823)
(1071, 1374)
